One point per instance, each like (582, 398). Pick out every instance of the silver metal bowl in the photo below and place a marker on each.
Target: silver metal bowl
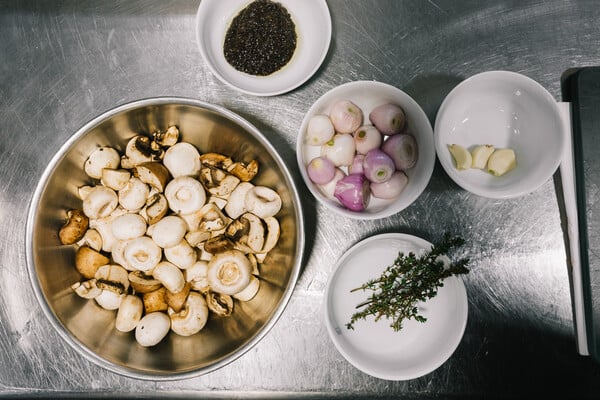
(90, 329)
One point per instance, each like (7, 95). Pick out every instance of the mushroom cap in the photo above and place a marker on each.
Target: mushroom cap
(182, 159)
(185, 195)
(129, 314)
(152, 328)
(229, 272)
(128, 226)
(133, 195)
(169, 231)
(102, 157)
(192, 318)
(170, 276)
(182, 254)
(100, 202)
(142, 253)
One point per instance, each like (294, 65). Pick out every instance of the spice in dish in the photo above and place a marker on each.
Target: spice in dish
(261, 38)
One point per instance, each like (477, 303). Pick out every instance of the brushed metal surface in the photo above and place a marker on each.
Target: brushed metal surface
(65, 62)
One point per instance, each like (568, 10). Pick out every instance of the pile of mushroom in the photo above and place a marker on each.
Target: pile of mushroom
(167, 235)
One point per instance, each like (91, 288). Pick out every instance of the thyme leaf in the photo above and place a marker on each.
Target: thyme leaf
(408, 281)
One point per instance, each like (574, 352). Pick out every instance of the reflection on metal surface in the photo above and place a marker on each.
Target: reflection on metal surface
(65, 62)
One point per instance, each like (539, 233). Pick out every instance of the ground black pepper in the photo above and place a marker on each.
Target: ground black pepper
(261, 38)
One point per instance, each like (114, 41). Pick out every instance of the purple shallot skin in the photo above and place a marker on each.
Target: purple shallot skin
(353, 191)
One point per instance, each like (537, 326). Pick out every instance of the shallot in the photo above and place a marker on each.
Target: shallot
(389, 118)
(345, 116)
(340, 149)
(391, 188)
(367, 137)
(357, 165)
(353, 191)
(328, 189)
(378, 166)
(319, 130)
(320, 170)
(402, 149)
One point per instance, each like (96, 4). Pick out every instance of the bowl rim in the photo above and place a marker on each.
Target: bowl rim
(319, 5)
(32, 212)
(329, 204)
(490, 76)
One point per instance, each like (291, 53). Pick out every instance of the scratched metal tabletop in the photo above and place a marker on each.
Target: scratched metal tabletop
(64, 62)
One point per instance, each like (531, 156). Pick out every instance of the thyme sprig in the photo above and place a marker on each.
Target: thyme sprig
(410, 280)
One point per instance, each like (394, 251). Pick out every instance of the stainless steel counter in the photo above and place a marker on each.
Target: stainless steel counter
(64, 62)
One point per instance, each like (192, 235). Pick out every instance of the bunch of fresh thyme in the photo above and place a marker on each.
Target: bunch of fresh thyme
(409, 280)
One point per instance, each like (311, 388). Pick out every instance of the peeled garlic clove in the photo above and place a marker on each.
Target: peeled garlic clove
(462, 157)
(501, 161)
(480, 155)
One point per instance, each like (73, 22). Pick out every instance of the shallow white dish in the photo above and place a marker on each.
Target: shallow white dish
(374, 347)
(504, 109)
(313, 29)
(368, 95)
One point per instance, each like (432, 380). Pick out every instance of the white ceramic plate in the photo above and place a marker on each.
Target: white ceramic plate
(368, 95)
(313, 28)
(374, 347)
(504, 109)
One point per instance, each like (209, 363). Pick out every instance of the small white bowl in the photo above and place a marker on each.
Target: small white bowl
(313, 29)
(507, 110)
(368, 95)
(374, 347)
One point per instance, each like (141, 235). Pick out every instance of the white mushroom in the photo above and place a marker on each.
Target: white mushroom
(86, 289)
(220, 202)
(249, 291)
(236, 204)
(195, 238)
(152, 328)
(168, 137)
(128, 226)
(170, 276)
(220, 304)
(185, 195)
(129, 314)
(156, 208)
(92, 239)
(263, 201)
(229, 272)
(139, 150)
(182, 159)
(112, 277)
(197, 275)
(168, 231)
(103, 157)
(83, 191)
(118, 254)
(109, 300)
(115, 178)
(272, 236)
(154, 174)
(133, 195)
(256, 233)
(142, 253)
(104, 229)
(142, 283)
(217, 181)
(100, 202)
(208, 219)
(192, 318)
(182, 254)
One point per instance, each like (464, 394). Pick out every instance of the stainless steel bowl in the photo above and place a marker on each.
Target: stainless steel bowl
(90, 329)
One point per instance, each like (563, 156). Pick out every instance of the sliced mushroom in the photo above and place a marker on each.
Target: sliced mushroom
(154, 174)
(87, 261)
(272, 236)
(75, 227)
(115, 179)
(249, 291)
(192, 318)
(84, 191)
(156, 208)
(245, 172)
(142, 283)
(263, 201)
(220, 202)
(220, 304)
(86, 289)
(109, 300)
(104, 229)
(247, 232)
(182, 159)
(208, 219)
(142, 253)
(166, 138)
(118, 254)
(185, 195)
(197, 275)
(92, 239)
(100, 202)
(236, 204)
(134, 194)
(182, 254)
(102, 157)
(152, 328)
(217, 181)
(218, 244)
(170, 276)
(229, 272)
(155, 300)
(129, 314)
(128, 226)
(112, 277)
(140, 150)
(217, 160)
(177, 300)
(168, 231)
(194, 238)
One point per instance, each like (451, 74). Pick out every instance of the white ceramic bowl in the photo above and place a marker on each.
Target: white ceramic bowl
(313, 28)
(368, 95)
(374, 347)
(507, 110)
